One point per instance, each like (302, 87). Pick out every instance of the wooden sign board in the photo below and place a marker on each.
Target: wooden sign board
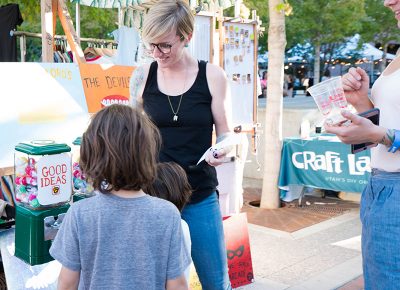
(105, 84)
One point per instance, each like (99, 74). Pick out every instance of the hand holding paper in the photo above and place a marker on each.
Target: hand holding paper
(220, 149)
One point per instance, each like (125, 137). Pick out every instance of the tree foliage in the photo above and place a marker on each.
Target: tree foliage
(95, 23)
(379, 25)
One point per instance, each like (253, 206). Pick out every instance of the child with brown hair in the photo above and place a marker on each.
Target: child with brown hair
(172, 184)
(121, 238)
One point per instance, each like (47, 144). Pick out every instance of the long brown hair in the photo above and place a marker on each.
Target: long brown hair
(119, 149)
(171, 184)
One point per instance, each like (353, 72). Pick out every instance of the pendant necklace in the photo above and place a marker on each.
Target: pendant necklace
(175, 117)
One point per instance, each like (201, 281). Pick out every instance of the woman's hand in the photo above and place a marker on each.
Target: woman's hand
(356, 86)
(215, 158)
(357, 130)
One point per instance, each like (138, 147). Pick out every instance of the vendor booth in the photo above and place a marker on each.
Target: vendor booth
(321, 162)
(49, 102)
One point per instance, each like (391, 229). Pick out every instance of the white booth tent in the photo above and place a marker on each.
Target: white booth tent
(367, 50)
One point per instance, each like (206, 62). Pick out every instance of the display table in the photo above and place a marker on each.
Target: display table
(323, 162)
(20, 275)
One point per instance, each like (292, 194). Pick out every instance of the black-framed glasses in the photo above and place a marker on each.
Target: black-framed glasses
(164, 48)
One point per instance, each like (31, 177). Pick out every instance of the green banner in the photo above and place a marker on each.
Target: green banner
(323, 162)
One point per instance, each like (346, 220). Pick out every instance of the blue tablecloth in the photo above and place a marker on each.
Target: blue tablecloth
(323, 162)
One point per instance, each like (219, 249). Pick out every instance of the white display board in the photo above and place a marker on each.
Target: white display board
(239, 63)
(40, 101)
(201, 44)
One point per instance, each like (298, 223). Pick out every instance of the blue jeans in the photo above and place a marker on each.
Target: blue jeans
(380, 217)
(208, 244)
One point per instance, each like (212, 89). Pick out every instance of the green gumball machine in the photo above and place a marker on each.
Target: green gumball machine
(81, 187)
(42, 191)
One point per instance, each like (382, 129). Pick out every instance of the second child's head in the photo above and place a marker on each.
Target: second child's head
(171, 184)
(119, 149)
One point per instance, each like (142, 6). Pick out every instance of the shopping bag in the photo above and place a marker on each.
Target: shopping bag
(238, 250)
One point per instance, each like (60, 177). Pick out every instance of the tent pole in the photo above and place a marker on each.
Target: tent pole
(78, 21)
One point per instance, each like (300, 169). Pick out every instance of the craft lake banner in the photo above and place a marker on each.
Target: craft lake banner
(105, 84)
(40, 101)
(324, 164)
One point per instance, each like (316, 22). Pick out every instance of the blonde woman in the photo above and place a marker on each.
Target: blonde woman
(185, 98)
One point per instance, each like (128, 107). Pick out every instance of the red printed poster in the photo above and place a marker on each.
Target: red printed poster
(238, 250)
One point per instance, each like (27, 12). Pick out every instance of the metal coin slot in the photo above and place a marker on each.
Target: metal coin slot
(51, 226)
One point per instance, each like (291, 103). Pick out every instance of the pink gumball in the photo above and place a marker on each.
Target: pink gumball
(28, 170)
(77, 174)
(33, 181)
(31, 161)
(18, 180)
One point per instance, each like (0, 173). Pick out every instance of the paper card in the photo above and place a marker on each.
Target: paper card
(231, 140)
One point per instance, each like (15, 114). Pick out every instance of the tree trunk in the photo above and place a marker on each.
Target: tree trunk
(317, 62)
(273, 112)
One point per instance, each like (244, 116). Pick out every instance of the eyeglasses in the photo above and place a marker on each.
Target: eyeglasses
(164, 48)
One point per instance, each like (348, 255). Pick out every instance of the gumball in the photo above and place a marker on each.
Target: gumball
(33, 190)
(18, 180)
(77, 183)
(34, 203)
(23, 180)
(31, 197)
(29, 170)
(33, 181)
(23, 197)
(77, 174)
(21, 189)
(32, 161)
(75, 166)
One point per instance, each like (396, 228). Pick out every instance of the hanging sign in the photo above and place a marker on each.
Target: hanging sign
(105, 84)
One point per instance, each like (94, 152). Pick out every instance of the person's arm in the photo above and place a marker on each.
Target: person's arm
(68, 279)
(177, 284)
(220, 108)
(137, 83)
(356, 86)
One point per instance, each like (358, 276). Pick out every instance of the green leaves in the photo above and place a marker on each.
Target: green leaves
(285, 7)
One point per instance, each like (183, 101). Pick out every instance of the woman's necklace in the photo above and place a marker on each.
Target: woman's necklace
(175, 118)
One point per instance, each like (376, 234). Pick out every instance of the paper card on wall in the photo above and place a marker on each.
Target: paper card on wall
(238, 250)
(105, 84)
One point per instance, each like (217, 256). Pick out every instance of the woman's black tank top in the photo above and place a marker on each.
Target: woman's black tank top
(184, 141)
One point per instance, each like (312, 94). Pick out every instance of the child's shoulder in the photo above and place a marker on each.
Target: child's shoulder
(162, 205)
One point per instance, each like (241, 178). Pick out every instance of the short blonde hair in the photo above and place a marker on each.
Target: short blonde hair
(167, 15)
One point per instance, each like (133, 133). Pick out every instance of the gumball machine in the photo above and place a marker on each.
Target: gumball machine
(82, 189)
(42, 191)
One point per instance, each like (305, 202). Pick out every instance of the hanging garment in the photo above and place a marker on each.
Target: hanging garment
(10, 17)
(128, 41)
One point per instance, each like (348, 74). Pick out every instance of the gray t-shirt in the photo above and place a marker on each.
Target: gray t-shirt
(122, 243)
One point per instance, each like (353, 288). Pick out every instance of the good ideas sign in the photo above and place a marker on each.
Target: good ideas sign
(54, 179)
